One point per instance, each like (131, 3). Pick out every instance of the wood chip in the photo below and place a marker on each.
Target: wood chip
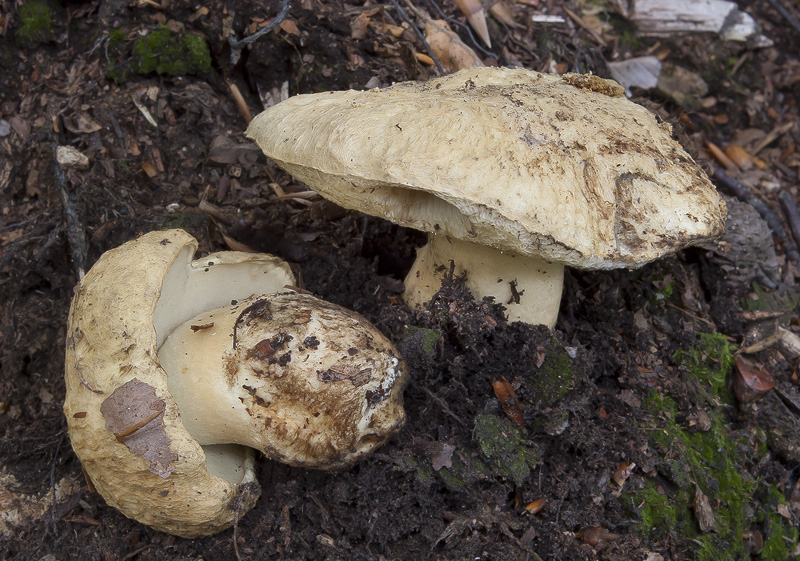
(703, 512)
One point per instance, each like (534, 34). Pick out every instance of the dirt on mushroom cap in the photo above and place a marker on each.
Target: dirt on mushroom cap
(533, 164)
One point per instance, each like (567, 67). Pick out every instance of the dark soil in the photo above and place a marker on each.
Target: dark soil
(627, 377)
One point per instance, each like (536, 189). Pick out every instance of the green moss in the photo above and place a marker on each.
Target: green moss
(424, 475)
(708, 365)
(664, 288)
(552, 380)
(712, 460)
(503, 445)
(463, 471)
(707, 460)
(116, 40)
(165, 53)
(655, 510)
(199, 58)
(427, 338)
(159, 51)
(37, 21)
(765, 301)
(780, 535)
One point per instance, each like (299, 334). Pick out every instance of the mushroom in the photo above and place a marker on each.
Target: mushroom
(513, 173)
(167, 439)
(324, 382)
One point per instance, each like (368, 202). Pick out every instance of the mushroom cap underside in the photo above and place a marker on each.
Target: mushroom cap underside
(562, 168)
(123, 423)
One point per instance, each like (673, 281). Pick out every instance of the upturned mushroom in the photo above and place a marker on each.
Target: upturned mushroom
(177, 368)
(513, 173)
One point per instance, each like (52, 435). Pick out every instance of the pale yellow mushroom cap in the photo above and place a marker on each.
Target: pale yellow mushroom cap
(561, 169)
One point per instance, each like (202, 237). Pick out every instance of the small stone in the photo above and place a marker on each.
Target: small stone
(71, 158)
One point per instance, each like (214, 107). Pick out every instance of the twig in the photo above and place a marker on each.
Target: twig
(78, 248)
(439, 70)
(236, 531)
(443, 405)
(693, 316)
(792, 215)
(582, 24)
(741, 192)
(786, 15)
(237, 45)
(20, 224)
(53, 484)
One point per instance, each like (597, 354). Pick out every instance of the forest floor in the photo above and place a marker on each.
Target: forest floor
(661, 416)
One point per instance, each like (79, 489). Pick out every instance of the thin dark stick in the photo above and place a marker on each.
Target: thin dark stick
(443, 405)
(78, 247)
(741, 192)
(404, 15)
(785, 13)
(237, 45)
(53, 483)
(792, 214)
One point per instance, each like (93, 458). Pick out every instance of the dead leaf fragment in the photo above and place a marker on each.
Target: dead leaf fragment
(443, 457)
(476, 17)
(135, 414)
(703, 512)
(597, 536)
(740, 156)
(536, 506)
(751, 379)
(290, 27)
(623, 472)
(358, 27)
(449, 48)
(149, 169)
(508, 400)
(503, 14)
(225, 150)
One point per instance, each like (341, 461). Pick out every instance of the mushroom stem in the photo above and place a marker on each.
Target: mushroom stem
(528, 287)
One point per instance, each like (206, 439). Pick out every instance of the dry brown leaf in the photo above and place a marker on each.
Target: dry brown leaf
(623, 472)
(358, 27)
(290, 27)
(751, 379)
(536, 506)
(443, 457)
(502, 13)
(703, 512)
(149, 169)
(476, 17)
(739, 156)
(451, 51)
(508, 400)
